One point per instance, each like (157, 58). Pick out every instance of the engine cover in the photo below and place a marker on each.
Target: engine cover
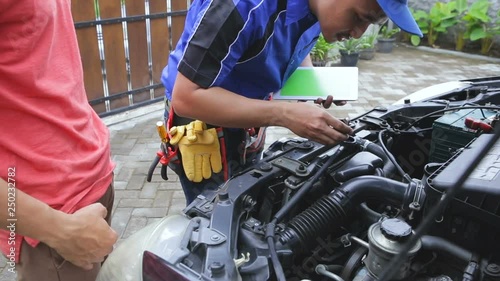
(484, 178)
(474, 215)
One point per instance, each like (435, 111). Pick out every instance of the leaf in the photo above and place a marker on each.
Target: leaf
(477, 34)
(479, 10)
(321, 48)
(440, 29)
(480, 16)
(420, 15)
(448, 23)
(424, 25)
(415, 40)
(452, 6)
(461, 6)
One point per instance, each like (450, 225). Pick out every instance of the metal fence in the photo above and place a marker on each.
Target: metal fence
(124, 45)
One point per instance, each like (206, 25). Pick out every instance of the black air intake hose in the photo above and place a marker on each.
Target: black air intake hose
(326, 212)
(330, 212)
(441, 245)
(389, 167)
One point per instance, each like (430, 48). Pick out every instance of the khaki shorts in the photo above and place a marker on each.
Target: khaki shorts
(43, 263)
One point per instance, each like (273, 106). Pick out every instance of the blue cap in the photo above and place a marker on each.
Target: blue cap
(399, 13)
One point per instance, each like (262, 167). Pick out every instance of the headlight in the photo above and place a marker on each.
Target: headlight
(161, 238)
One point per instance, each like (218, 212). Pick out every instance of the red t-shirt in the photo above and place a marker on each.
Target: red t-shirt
(49, 134)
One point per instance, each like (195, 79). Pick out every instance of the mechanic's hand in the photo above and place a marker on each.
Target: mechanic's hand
(200, 150)
(316, 124)
(326, 103)
(85, 237)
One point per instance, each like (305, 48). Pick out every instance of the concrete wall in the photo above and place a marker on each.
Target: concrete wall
(426, 5)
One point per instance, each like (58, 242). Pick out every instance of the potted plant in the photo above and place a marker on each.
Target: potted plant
(349, 50)
(368, 48)
(386, 39)
(319, 53)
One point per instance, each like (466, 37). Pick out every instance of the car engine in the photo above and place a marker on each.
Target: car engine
(413, 194)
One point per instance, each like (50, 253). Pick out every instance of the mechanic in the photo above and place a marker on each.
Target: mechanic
(231, 56)
(56, 174)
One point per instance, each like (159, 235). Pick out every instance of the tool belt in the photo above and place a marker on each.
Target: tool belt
(241, 144)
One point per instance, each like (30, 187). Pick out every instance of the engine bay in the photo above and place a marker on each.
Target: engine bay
(413, 194)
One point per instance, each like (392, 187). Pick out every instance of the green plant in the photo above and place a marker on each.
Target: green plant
(320, 50)
(461, 10)
(480, 26)
(441, 17)
(422, 19)
(351, 45)
(387, 33)
(369, 39)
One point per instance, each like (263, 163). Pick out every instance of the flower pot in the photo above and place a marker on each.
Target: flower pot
(348, 59)
(367, 54)
(385, 45)
(320, 63)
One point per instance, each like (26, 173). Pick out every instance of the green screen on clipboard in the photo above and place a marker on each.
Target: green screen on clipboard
(310, 83)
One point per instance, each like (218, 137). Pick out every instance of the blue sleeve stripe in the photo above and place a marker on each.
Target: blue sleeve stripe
(195, 30)
(258, 46)
(236, 39)
(218, 25)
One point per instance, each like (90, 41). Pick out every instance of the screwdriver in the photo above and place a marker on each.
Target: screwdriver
(162, 132)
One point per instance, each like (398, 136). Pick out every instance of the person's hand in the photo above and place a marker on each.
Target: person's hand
(326, 103)
(314, 123)
(200, 150)
(85, 237)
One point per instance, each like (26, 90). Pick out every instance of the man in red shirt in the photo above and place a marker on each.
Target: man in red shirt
(56, 174)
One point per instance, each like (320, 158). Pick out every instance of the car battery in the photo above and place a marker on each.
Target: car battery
(455, 130)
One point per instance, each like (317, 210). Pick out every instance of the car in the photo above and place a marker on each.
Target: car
(413, 194)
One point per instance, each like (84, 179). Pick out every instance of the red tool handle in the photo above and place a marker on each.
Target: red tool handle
(477, 125)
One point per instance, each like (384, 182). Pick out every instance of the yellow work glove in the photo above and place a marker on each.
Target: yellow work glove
(200, 150)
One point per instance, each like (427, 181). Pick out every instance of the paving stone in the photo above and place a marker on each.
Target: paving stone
(115, 204)
(176, 207)
(6, 275)
(162, 198)
(124, 143)
(178, 194)
(3, 261)
(127, 194)
(172, 176)
(134, 224)
(135, 203)
(121, 217)
(149, 190)
(167, 185)
(137, 150)
(124, 175)
(136, 182)
(119, 185)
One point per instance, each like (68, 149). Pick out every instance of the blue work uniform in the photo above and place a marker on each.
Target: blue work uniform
(249, 47)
